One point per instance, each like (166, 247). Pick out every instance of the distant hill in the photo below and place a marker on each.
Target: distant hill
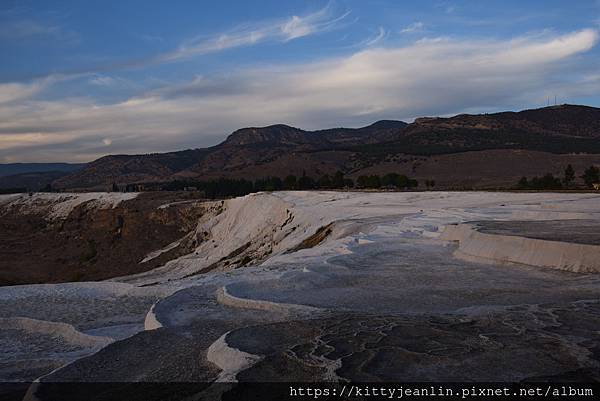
(30, 181)
(541, 139)
(34, 176)
(20, 168)
(242, 151)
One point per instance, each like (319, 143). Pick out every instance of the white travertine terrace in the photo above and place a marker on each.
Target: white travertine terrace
(281, 276)
(59, 205)
(230, 360)
(494, 248)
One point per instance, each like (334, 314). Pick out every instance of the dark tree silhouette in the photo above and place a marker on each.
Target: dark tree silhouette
(591, 176)
(569, 176)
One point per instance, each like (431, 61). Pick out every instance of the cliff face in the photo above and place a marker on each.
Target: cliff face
(49, 240)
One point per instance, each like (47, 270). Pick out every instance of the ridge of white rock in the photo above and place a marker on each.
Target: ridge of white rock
(151, 322)
(227, 299)
(256, 225)
(89, 289)
(62, 331)
(230, 360)
(268, 227)
(58, 205)
(262, 228)
(496, 248)
(157, 253)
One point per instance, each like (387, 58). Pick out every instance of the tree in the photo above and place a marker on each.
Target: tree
(369, 181)
(290, 182)
(546, 182)
(591, 176)
(569, 176)
(362, 181)
(373, 181)
(273, 184)
(324, 182)
(390, 180)
(338, 180)
(397, 180)
(523, 183)
(306, 182)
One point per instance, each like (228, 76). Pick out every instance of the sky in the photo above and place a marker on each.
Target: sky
(79, 80)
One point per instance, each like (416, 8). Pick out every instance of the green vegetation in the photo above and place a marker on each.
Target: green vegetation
(391, 180)
(4, 191)
(429, 183)
(590, 176)
(548, 181)
(569, 176)
(227, 187)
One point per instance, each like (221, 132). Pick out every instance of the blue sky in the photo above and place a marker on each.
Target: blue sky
(79, 80)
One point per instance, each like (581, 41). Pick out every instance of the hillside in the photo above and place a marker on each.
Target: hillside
(244, 153)
(548, 137)
(22, 168)
(33, 181)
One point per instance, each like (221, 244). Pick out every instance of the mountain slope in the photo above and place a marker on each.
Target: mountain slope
(21, 168)
(124, 169)
(30, 181)
(244, 148)
(279, 150)
(558, 129)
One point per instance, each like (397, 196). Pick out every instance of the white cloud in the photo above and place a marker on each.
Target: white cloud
(429, 77)
(377, 38)
(14, 91)
(414, 27)
(26, 28)
(10, 92)
(102, 80)
(278, 30)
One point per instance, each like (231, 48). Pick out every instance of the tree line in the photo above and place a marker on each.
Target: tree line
(228, 187)
(590, 176)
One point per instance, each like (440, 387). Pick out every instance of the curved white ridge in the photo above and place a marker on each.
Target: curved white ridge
(227, 299)
(64, 331)
(151, 322)
(477, 246)
(230, 360)
(58, 206)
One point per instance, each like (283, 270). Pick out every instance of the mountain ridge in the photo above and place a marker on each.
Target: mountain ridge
(279, 149)
(7, 169)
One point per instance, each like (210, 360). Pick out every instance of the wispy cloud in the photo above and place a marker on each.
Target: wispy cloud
(446, 6)
(16, 91)
(378, 38)
(27, 28)
(278, 30)
(102, 80)
(414, 27)
(151, 38)
(426, 77)
(283, 30)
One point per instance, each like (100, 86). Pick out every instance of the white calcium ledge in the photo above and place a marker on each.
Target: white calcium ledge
(476, 246)
(227, 299)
